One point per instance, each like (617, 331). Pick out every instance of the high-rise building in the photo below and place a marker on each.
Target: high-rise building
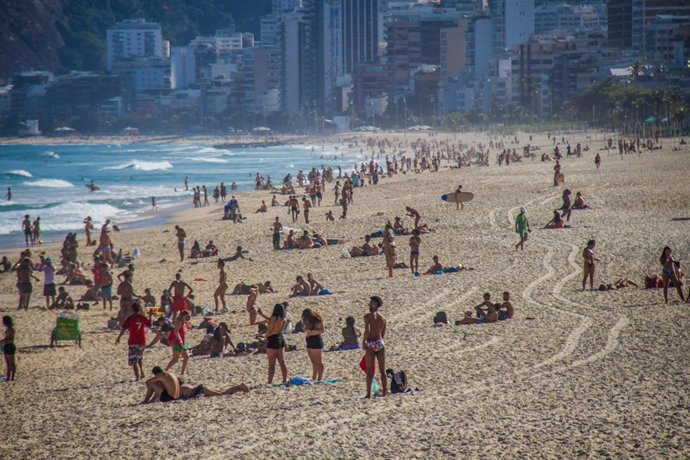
(360, 32)
(626, 23)
(513, 22)
(134, 38)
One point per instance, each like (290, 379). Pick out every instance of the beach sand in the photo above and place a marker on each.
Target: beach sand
(593, 374)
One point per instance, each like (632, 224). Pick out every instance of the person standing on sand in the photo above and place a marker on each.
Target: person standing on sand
(24, 275)
(88, 226)
(589, 267)
(179, 300)
(126, 292)
(28, 231)
(277, 228)
(136, 324)
(313, 330)
(181, 235)
(275, 342)
(458, 203)
(373, 345)
(306, 205)
(415, 214)
(178, 340)
(556, 173)
(415, 242)
(669, 274)
(49, 282)
(522, 228)
(389, 250)
(219, 295)
(36, 229)
(9, 349)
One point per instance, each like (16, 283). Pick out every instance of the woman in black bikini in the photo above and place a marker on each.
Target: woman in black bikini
(275, 342)
(669, 274)
(313, 328)
(9, 348)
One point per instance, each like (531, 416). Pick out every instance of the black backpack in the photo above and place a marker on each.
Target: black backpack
(441, 318)
(398, 381)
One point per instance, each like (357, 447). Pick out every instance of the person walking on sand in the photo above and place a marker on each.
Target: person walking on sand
(179, 300)
(373, 345)
(313, 329)
(178, 340)
(9, 349)
(24, 275)
(588, 270)
(219, 295)
(669, 273)
(275, 342)
(181, 235)
(522, 228)
(136, 325)
(36, 230)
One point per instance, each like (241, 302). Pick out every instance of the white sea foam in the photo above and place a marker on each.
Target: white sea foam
(139, 165)
(51, 154)
(19, 172)
(50, 183)
(65, 216)
(207, 159)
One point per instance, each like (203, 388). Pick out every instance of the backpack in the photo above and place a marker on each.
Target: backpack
(441, 318)
(398, 381)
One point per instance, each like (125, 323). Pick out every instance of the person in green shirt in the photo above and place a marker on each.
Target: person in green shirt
(522, 228)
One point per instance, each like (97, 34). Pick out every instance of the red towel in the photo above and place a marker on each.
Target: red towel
(363, 365)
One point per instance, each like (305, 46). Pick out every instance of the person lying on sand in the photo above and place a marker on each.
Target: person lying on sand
(215, 343)
(318, 240)
(619, 284)
(435, 268)
(243, 288)
(188, 392)
(367, 249)
(239, 254)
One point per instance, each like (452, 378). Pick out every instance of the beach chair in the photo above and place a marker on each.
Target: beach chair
(66, 328)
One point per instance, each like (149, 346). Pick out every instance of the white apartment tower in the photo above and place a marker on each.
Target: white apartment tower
(134, 38)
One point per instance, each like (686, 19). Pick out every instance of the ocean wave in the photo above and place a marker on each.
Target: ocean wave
(65, 216)
(50, 183)
(207, 159)
(139, 165)
(19, 172)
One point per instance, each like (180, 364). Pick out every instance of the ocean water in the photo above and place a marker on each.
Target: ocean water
(51, 181)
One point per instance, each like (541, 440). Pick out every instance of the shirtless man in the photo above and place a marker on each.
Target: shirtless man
(415, 242)
(414, 213)
(435, 268)
(486, 311)
(251, 303)
(302, 288)
(556, 173)
(305, 241)
(181, 235)
(125, 291)
(163, 386)
(597, 160)
(24, 275)
(28, 231)
(343, 203)
(373, 345)
(177, 288)
(507, 308)
(314, 286)
(458, 204)
(389, 250)
(588, 269)
(306, 204)
(219, 295)
(294, 208)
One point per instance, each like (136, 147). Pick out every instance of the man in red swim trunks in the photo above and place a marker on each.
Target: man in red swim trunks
(179, 301)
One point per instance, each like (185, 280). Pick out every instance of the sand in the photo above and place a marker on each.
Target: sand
(594, 374)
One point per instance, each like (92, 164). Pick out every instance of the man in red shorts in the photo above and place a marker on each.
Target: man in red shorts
(136, 324)
(179, 302)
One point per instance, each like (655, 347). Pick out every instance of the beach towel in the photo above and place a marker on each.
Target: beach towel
(324, 292)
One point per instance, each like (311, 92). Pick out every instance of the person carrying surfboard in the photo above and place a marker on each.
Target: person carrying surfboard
(459, 204)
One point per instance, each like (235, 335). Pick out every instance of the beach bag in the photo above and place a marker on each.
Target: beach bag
(441, 318)
(398, 381)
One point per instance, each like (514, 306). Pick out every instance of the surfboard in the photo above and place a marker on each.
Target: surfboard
(458, 197)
